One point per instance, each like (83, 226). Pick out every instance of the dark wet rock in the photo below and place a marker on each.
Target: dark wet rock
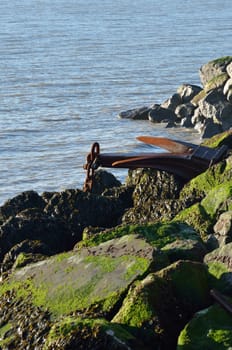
(34, 225)
(185, 111)
(104, 180)
(25, 247)
(22, 324)
(136, 113)
(172, 102)
(99, 334)
(81, 209)
(164, 301)
(151, 211)
(25, 200)
(209, 128)
(153, 183)
(154, 196)
(209, 328)
(159, 114)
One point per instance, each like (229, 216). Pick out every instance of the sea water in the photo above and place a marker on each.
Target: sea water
(69, 67)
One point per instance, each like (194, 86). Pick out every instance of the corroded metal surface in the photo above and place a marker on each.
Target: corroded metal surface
(184, 159)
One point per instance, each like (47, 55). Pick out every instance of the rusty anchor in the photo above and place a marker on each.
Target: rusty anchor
(183, 159)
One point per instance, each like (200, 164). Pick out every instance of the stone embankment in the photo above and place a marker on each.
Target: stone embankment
(142, 265)
(206, 108)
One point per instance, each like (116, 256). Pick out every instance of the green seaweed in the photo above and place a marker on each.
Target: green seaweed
(75, 325)
(158, 234)
(216, 82)
(209, 329)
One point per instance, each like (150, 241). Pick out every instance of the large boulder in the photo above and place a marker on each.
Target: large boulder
(93, 278)
(75, 332)
(25, 200)
(82, 209)
(32, 224)
(172, 241)
(163, 302)
(208, 329)
(219, 263)
(159, 114)
(154, 196)
(204, 215)
(213, 69)
(223, 228)
(136, 113)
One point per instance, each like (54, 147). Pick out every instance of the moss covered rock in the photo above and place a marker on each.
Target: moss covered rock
(197, 217)
(218, 199)
(164, 301)
(93, 278)
(203, 216)
(214, 68)
(198, 187)
(209, 329)
(177, 240)
(219, 263)
(86, 333)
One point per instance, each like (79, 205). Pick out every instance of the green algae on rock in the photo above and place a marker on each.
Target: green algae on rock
(73, 332)
(199, 186)
(203, 215)
(209, 329)
(157, 234)
(77, 281)
(164, 301)
(220, 195)
(197, 217)
(219, 263)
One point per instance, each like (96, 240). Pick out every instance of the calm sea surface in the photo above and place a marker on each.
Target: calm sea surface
(68, 67)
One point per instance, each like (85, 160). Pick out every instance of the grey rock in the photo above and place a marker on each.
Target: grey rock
(159, 114)
(229, 69)
(172, 102)
(229, 95)
(136, 113)
(223, 228)
(185, 110)
(213, 69)
(215, 106)
(209, 129)
(186, 122)
(227, 86)
(187, 92)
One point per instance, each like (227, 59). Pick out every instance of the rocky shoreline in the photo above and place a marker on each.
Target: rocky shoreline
(129, 266)
(206, 108)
